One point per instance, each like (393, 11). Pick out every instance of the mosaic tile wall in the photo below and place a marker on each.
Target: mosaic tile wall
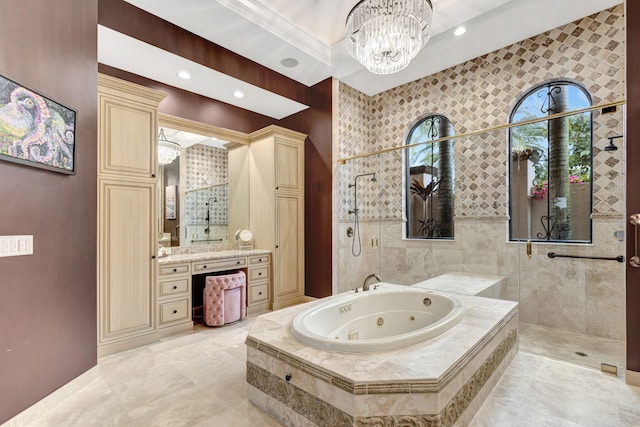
(205, 166)
(479, 94)
(576, 295)
(206, 171)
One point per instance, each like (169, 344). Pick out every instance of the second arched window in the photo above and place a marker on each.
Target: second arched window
(430, 179)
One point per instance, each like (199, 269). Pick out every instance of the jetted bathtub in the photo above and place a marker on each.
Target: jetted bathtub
(376, 320)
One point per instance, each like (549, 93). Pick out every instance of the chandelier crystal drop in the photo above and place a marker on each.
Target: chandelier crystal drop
(167, 150)
(385, 35)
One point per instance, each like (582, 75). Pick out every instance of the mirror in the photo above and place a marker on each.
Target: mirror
(197, 192)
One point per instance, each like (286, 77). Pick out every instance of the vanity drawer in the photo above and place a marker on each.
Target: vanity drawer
(260, 259)
(175, 269)
(218, 265)
(173, 287)
(258, 293)
(259, 273)
(174, 311)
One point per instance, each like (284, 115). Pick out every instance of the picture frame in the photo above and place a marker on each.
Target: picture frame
(170, 201)
(35, 130)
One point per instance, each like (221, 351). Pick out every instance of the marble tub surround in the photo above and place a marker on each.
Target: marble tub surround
(433, 382)
(176, 258)
(482, 285)
(480, 247)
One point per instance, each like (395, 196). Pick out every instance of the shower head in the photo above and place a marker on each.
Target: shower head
(612, 146)
(355, 180)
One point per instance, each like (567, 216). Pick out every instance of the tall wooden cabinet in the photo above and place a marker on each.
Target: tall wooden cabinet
(127, 241)
(276, 208)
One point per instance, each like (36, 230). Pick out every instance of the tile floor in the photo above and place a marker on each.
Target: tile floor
(564, 345)
(198, 380)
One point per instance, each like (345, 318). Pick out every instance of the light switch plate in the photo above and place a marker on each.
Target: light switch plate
(16, 245)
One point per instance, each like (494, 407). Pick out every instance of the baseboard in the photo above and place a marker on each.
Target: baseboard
(105, 349)
(181, 328)
(632, 378)
(53, 400)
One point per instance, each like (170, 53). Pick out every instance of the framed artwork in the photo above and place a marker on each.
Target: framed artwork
(36, 130)
(170, 202)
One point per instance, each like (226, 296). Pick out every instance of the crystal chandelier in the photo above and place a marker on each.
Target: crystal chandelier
(385, 35)
(167, 150)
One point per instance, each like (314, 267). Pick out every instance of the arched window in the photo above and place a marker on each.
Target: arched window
(430, 180)
(550, 167)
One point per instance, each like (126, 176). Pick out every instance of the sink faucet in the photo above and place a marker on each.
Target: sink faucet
(365, 285)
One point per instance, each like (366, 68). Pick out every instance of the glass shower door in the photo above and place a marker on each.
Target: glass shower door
(572, 306)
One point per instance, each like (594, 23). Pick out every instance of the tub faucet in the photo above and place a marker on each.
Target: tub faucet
(365, 285)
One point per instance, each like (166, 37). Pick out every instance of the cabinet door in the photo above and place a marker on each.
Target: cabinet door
(126, 262)
(289, 252)
(128, 137)
(289, 166)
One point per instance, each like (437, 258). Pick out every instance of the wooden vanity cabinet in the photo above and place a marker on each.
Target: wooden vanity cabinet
(174, 297)
(259, 283)
(127, 241)
(277, 208)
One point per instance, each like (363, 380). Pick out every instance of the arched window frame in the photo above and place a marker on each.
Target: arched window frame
(547, 108)
(428, 226)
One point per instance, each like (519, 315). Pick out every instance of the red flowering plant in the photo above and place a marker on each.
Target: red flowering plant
(539, 190)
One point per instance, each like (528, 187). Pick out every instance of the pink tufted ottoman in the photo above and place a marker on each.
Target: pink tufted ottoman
(225, 299)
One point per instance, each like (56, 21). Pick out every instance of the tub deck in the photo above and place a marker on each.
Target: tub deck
(440, 382)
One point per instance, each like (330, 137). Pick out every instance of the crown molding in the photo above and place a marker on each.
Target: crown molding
(259, 14)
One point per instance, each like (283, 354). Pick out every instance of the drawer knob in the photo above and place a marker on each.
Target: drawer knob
(153, 175)
(260, 274)
(153, 257)
(175, 269)
(260, 293)
(175, 287)
(259, 259)
(175, 311)
(204, 266)
(237, 262)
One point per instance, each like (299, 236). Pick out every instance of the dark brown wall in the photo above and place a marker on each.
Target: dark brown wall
(633, 180)
(48, 302)
(316, 123)
(188, 105)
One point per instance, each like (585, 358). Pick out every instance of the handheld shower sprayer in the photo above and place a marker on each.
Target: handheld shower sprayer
(356, 224)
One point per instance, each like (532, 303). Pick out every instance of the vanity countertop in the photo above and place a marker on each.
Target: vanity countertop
(205, 256)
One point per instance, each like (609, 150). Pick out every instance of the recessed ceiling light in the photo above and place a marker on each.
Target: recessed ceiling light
(184, 75)
(460, 30)
(238, 94)
(289, 62)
